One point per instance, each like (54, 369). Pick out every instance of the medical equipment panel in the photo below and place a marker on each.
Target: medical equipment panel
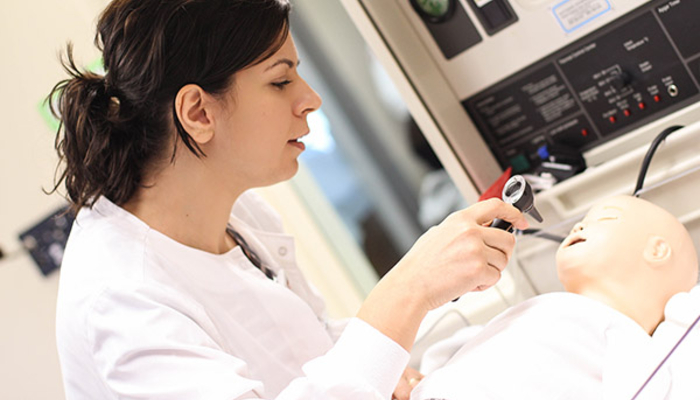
(594, 90)
(587, 77)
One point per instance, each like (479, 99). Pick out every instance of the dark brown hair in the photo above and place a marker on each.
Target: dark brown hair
(114, 127)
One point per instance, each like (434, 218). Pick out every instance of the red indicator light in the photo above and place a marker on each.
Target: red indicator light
(612, 119)
(657, 98)
(584, 132)
(642, 106)
(627, 113)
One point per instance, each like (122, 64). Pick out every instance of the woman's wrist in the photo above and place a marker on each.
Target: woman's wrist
(395, 309)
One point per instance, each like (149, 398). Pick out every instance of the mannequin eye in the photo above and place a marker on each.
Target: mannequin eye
(608, 218)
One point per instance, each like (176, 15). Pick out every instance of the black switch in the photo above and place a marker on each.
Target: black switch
(494, 15)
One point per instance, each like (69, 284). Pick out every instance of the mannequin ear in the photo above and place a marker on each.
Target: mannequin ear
(193, 109)
(657, 250)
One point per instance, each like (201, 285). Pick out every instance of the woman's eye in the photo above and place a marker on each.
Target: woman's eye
(282, 84)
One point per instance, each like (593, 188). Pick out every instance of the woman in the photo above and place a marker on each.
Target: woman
(177, 282)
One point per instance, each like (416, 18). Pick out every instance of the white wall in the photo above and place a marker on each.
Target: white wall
(31, 34)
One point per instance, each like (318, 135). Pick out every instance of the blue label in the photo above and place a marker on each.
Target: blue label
(573, 14)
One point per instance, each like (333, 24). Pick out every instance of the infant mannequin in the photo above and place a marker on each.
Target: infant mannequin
(620, 266)
(631, 255)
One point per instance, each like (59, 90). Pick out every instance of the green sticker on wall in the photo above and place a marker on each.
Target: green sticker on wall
(51, 121)
(45, 111)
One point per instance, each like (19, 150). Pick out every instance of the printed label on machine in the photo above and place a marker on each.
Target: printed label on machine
(573, 14)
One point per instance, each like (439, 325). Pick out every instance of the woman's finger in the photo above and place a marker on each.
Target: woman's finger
(490, 276)
(403, 391)
(488, 210)
(496, 258)
(499, 240)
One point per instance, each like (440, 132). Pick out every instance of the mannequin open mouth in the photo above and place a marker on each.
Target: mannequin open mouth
(576, 241)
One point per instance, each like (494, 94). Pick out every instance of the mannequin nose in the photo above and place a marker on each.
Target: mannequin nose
(578, 227)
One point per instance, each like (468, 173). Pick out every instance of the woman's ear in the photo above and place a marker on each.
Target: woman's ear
(193, 109)
(657, 250)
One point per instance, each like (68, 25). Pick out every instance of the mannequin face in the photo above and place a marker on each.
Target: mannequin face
(606, 237)
(623, 238)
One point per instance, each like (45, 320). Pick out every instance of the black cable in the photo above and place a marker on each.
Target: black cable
(640, 179)
(543, 235)
(650, 153)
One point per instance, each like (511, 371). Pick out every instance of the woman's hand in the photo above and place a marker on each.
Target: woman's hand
(408, 381)
(460, 255)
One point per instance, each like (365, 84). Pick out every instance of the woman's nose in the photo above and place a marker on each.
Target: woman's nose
(310, 101)
(578, 227)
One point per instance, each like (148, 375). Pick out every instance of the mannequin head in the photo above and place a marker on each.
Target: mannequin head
(630, 254)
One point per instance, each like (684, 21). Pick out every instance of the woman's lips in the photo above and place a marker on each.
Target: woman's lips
(298, 144)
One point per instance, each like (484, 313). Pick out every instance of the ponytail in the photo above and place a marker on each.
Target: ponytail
(94, 140)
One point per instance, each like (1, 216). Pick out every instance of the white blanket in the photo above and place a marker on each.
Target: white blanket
(549, 347)
(682, 370)
(565, 346)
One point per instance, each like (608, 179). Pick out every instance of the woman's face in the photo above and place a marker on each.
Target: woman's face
(261, 119)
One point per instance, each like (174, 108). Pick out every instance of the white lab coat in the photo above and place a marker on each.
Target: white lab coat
(141, 316)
